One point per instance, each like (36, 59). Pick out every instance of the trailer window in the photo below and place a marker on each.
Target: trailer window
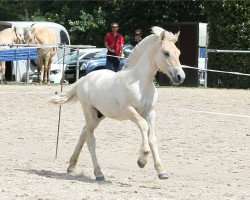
(64, 37)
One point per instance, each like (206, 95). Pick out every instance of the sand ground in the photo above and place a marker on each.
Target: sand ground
(203, 137)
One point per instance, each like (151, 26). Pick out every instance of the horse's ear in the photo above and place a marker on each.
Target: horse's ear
(14, 28)
(177, 34)
(32, 28)
(175, 37)
(163, 35)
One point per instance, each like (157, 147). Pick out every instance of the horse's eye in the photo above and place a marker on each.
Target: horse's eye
(166, 54)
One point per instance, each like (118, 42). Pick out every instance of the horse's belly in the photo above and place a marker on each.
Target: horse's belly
(109, 107)
(99, 93)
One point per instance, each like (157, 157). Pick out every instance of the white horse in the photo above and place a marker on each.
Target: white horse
(8, 37)
(127, 95)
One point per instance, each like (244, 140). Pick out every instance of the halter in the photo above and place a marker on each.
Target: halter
(18, 40)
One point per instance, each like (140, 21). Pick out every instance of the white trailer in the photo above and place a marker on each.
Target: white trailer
(16, 70)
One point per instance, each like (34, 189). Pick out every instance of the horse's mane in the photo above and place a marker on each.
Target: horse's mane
(149, 40)
(138, 51)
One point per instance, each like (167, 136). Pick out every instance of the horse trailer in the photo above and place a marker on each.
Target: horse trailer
(16, 70)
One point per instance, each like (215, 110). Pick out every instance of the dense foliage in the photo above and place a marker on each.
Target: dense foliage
(88, 21)
(229, 29)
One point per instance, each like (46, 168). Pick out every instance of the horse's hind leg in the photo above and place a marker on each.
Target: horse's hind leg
(92, 121)
(2, 72)
(78, 148)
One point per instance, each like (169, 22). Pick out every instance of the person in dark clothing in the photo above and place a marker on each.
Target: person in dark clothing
(138, 38)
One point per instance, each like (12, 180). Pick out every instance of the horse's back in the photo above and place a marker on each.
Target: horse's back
(45, 36)
(98, 80)
(5, 36)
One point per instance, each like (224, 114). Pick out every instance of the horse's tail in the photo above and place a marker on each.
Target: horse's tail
(65, 97)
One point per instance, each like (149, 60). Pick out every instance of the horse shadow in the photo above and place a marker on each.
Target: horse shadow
(81, 178)
(64, 176)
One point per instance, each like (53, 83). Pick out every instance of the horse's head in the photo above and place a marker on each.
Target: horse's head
(29, 34)
(167, 55)
(19, 35)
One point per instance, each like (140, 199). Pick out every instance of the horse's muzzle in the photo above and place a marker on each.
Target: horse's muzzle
(178, 75)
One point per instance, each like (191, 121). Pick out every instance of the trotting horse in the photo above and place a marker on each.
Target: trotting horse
(40, 35)
(127, 95)
(8, 37)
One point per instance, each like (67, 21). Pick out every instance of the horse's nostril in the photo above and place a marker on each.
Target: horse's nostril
(179, 77)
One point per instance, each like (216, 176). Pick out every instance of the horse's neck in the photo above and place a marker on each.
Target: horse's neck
(144, 69)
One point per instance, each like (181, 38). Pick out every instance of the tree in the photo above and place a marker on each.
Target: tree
(229, 25)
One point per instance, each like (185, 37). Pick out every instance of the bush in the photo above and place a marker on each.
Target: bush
(228, 27)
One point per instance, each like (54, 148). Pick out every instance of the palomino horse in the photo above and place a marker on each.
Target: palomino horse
(127, 95)
(8, 37)
(40, 35)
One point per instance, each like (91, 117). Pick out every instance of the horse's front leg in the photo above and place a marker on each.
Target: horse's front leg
(40, 69)
(47, 64)
(133, 115)
(154, 147)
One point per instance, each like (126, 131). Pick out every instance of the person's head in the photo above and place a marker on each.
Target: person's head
(114, 27)
(138, 33)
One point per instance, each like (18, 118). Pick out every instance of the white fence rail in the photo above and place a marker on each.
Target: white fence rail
(78, 47)
(221, 51)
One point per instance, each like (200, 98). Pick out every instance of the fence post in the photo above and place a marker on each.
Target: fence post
(77, 65)
(206, 61)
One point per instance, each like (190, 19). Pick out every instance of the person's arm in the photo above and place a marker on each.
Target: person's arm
(107, 46)
(122, 55)
(122, 43)
(106, 43)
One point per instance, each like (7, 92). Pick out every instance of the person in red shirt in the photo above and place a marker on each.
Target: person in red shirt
(114, 43)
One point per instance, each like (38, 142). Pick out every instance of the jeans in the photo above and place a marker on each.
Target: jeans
(113, 65)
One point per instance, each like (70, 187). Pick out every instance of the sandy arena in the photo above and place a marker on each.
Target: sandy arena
(203, 138)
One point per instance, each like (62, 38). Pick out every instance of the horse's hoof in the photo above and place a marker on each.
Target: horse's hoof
(70, 171)
(140, 164)
(163, 175)
(101, 178)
